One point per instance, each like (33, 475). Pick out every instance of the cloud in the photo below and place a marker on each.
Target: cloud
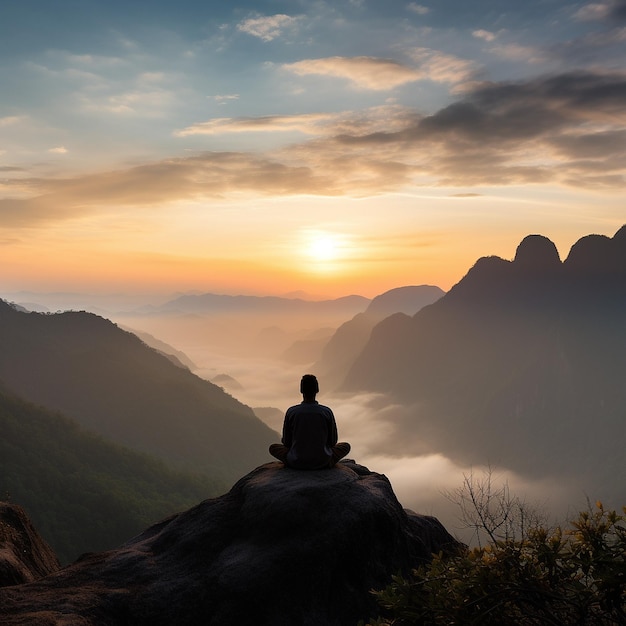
(508, 133)
(309, 124)
(484, 34)
(352, 122)
(567, 129)
(613, 10)
(223, 99)
(10, 120)
(364, 72)
(418, 8)
(442, 68)
(593, 11)
(144, 102)
(516, 52)
(267, 28)
(58, 150)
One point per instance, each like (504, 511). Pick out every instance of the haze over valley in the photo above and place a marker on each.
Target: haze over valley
(517, 367)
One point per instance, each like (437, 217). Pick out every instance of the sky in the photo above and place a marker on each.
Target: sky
(274, 147)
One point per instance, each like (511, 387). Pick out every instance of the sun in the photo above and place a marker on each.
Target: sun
(323, 248)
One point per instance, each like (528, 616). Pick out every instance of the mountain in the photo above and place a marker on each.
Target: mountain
(282, 547)
(210, 303)
(351, 337)
(82, 492)
(409, 300)
(177, 357)
(522, 363)
(112, 383)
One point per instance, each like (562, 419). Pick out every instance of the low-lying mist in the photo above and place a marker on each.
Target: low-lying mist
(235, 351)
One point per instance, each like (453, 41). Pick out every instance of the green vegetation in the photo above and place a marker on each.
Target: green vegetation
(82, 492)
(525, 574)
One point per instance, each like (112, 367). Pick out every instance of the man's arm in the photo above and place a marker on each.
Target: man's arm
(333, 437)
(287, 431)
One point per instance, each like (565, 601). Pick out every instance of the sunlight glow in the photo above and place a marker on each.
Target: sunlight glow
(324, 248)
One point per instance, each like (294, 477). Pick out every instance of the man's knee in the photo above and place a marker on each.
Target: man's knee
(279, 451)
(340, 450)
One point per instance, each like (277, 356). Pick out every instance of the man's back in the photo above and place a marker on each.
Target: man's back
(310, 432)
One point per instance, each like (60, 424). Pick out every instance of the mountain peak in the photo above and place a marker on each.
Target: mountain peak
(597, 253)
(537, 252)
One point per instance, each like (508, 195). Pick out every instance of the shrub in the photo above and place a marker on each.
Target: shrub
(547, 577)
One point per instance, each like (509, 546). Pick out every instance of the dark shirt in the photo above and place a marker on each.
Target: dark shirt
(309, 431)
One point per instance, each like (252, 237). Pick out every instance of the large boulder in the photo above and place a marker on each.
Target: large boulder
(283, 547)
(24, 555)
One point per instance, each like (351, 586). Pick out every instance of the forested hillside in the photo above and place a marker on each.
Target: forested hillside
(112, 383)
(84, 493)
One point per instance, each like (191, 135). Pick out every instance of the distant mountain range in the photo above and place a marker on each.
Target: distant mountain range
(113, 384)
(522, 363)
(210, 303)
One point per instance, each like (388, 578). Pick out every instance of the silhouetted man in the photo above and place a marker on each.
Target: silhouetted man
(309, 433)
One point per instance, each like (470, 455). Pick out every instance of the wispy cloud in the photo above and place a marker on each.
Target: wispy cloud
(10, 120)
(223, 99)
(324, 124)
(614, 10)
(442, 68)
(309, 124)
(517, 52)
(568, 129)
(268, 27)
(484, 34)
(364, 72)
(420, 9)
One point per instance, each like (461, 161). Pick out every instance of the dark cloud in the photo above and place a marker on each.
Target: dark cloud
(513, 133)
(617, 11)
(598, 145)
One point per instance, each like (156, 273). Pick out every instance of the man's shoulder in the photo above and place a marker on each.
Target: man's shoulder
(308, 407)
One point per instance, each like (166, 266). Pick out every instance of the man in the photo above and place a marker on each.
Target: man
(309, 433)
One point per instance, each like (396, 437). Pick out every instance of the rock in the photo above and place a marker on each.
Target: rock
(283, 547)
(24, 555)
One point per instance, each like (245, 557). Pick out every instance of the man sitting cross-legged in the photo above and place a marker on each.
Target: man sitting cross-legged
(309, 433)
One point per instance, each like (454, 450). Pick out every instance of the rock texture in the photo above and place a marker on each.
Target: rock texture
(24, 555)
(281, 548)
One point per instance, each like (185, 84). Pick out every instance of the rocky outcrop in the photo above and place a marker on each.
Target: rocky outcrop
(283, 547)
(24, 555)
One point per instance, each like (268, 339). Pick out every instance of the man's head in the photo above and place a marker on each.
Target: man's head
(309, 385)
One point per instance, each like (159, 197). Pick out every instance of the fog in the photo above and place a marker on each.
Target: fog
(248, 352)
(420, 477)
